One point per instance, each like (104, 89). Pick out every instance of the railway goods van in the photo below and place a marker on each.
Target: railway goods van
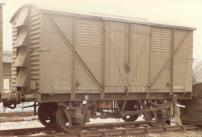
(75, 65)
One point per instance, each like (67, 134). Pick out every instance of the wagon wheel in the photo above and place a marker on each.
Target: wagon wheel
(130, 106)
(162, 118)
(46, 114)
(64, 121)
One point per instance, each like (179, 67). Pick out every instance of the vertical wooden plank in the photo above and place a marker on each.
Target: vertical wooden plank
(149, 69)
(104, 59)
(126, 57)
(73, 59)
(128, 64)
(107, 55)
(126, 48)
(129, 46)
(171, 61)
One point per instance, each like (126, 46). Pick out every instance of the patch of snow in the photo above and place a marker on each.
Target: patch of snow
(38, 134)
(107, 120)
(20, 124)
(30, 118)
(19, 107)
(110, 120)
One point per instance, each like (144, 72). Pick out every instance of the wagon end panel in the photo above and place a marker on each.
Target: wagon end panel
(57, 34)
(26, 40)
(25, 33)
(182, 60)
(20, 28)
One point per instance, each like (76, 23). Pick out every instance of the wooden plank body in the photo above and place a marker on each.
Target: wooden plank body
(72, 53)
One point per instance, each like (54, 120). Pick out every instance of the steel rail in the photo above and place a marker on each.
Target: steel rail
(102, 130)
(24, 131)
(16, 114)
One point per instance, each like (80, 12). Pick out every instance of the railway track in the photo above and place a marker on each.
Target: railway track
(96, 130)
(25, 131)
(16, 116)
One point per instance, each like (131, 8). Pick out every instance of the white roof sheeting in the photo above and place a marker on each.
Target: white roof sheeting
(107, 17)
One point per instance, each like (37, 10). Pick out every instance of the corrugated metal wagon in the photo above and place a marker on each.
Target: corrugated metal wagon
(77, 65)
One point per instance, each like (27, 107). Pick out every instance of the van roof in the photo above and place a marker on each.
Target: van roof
(106, 17)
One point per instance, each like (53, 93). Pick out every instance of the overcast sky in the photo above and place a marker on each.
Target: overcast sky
(179, 12)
